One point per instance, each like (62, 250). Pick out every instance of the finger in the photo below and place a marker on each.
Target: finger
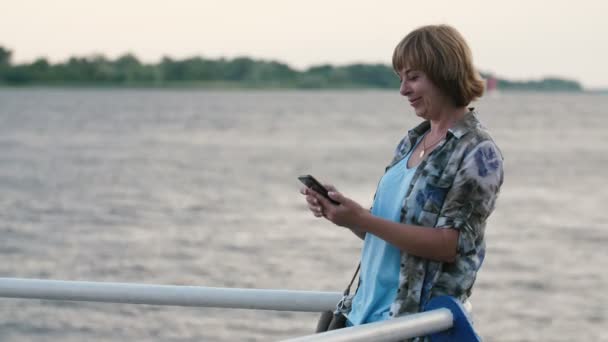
(304, 190)
(314, 208)
(324, 202)
(312, 201)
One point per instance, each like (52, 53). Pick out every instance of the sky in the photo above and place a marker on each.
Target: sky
(514, 39)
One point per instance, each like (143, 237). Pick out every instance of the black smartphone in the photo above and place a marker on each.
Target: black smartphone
(314, 184)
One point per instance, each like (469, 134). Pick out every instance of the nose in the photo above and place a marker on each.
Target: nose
(404, 89)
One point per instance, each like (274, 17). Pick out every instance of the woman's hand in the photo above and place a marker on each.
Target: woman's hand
(313, 204)
(347, 214)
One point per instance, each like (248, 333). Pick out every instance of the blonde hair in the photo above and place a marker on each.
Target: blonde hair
(443, 55)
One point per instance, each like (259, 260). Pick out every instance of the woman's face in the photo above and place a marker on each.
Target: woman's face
(426, 98)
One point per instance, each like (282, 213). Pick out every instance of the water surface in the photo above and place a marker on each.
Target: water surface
(199, 188)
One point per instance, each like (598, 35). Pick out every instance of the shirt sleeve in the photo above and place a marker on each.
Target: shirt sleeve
(472, 197)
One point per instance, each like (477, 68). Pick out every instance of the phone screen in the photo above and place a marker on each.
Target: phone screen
(312, 183)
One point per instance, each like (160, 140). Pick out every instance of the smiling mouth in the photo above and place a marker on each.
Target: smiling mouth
(415, 101)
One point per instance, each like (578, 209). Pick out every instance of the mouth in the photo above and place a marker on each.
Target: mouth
(414, 102)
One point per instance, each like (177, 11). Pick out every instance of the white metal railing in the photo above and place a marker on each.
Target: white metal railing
(395, 329)
(258, 299)
(444, 313)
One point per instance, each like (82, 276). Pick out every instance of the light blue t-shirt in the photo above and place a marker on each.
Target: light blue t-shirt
(380, 260)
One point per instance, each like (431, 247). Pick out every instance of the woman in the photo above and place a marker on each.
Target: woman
(424, 236)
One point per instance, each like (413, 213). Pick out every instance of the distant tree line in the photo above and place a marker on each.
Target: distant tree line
(548, 84)
(128, 70)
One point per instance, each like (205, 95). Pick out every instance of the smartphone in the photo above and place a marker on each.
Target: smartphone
(314, 184)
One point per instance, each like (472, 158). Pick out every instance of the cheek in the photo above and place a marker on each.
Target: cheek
(428, 102)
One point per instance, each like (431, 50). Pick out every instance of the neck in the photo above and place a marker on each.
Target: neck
(446, 119)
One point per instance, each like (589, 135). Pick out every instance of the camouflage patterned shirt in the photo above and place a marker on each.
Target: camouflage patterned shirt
(455, 186)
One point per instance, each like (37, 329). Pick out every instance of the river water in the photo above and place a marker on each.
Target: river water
(193, 187)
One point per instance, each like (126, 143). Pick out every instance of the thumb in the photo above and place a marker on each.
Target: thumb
(330, 187)
(336, 196)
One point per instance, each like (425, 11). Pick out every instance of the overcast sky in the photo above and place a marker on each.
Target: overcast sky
(515, 39)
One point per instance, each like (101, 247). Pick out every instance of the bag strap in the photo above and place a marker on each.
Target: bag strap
(347, 291)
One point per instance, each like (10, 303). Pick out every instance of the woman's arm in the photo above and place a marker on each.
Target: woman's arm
(358, 232)
(434, 244)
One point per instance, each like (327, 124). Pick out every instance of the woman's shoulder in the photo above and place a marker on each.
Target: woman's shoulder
(473, 135)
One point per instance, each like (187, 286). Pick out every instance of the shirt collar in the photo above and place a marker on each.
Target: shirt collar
(468, 123)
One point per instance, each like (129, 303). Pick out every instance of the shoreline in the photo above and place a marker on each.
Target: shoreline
(249, 87)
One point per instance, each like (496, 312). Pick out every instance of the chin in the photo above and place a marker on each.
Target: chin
(421, 113)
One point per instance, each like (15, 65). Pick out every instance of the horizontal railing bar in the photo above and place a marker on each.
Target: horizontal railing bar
(397, 329)
(235, 298)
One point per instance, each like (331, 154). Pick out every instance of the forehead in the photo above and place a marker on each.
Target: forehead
(407, 70)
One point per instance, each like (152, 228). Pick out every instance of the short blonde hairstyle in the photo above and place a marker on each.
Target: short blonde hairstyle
(442, 53)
